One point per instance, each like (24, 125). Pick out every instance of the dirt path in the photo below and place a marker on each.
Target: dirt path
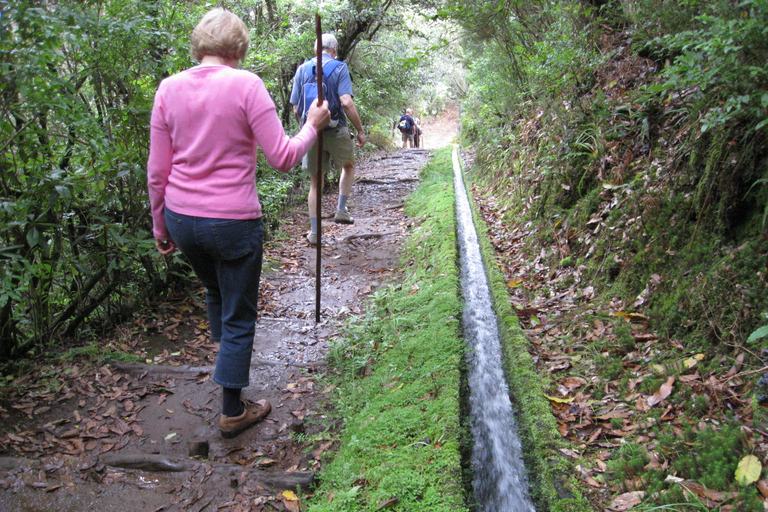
(127, 437)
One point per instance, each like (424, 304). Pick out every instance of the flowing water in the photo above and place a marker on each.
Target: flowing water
(500, 484)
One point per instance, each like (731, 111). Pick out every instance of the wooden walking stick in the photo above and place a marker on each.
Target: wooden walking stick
(319, 170)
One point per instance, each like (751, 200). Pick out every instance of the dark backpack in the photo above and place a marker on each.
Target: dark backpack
(309, 91)
(405, 124)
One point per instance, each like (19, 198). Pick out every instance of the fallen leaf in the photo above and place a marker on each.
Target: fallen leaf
(664, 391)
(594, 483)
(291, 501)
(574, 382)
(703, 492)
(693, 361)
(323, 447)
(14, 437)
(627, 500)
(559, 400)
(748, 471)
(762, 486)
(388, 503)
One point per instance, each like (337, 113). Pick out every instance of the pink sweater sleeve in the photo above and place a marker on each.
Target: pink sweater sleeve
(282, 152)
(158, 167)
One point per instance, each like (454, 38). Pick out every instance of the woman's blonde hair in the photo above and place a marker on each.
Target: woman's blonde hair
(220, 33)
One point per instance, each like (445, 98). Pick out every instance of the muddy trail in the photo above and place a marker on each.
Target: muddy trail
(143, 436)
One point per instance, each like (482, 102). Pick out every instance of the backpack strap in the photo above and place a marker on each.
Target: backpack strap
(328, 69)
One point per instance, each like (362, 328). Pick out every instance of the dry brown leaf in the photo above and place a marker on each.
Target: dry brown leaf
(703, 492)
(594, 483)
(574, 382)
(14, 437)
(323, 447)
(762, 486)
(627, 500)
(388, 504)
(291, 501)
(664, 391)
(736, 366)
(615, 414)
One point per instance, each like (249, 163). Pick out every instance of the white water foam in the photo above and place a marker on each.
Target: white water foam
(500, 484)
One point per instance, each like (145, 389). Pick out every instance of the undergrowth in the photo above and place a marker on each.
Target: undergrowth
(642, 204)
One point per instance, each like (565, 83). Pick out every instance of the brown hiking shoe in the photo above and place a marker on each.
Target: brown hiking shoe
(236, 425)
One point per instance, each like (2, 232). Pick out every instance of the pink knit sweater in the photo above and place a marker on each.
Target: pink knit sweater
(206, 124)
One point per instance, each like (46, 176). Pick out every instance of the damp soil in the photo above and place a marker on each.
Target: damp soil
(143, 436)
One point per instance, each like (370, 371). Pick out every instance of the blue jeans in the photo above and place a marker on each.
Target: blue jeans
(226, 255)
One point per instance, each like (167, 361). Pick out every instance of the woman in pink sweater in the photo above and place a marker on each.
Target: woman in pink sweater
(207, 122)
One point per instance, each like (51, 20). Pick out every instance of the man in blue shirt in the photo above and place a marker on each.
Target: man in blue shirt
(337, 141)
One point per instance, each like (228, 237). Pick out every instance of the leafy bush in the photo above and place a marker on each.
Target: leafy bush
(720, 68)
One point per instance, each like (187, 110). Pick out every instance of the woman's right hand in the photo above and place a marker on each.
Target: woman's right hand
(166, 246)
(319, 116)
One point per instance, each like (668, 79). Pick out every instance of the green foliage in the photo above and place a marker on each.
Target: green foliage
(762, 332)
(76, 90)
(570, 152)
(721, 66)
(708, 456)
(628, 462)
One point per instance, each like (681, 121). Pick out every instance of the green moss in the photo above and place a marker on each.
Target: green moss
(398, 377)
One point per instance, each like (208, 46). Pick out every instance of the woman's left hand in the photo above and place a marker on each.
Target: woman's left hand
(165, 246)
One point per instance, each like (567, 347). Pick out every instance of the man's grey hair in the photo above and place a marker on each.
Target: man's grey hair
(329, 42)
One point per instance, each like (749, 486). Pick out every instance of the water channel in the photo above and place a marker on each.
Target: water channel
(500, 483)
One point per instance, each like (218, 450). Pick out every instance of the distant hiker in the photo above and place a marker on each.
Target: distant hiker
(405, 125)
(337, 141)
(207, 122)
(416, 132)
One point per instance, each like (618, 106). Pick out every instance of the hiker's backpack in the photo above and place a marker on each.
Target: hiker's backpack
(405, 125)
(309, 91)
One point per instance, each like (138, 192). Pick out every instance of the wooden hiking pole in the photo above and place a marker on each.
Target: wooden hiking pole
(319, 170)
